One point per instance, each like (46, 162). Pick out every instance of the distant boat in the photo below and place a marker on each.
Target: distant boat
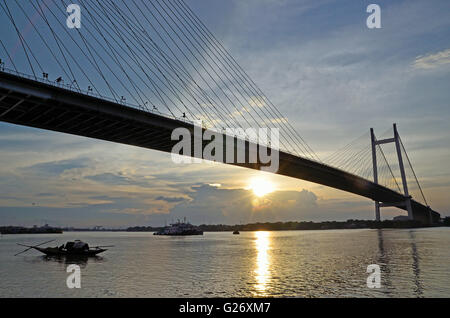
(236, 232)
(180, 228)
(76, 248)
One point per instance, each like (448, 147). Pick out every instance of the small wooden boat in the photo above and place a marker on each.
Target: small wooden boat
(56, 251)
(76, 248)
(236, 232)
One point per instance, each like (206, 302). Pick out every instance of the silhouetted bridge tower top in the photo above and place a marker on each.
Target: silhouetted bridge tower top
(161, 68)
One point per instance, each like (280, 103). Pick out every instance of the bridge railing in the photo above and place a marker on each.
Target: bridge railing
(73, 88)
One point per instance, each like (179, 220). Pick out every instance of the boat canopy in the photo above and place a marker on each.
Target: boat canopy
(78, 245)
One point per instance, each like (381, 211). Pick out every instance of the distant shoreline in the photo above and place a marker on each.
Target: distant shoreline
(31, 230)
(267, 226)
(302, 226)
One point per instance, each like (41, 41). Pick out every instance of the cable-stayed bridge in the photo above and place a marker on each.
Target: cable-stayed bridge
(136, 70)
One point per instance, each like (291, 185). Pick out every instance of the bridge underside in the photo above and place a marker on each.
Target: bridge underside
(35, 104)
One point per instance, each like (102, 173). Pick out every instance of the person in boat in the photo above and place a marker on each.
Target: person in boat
(77, 245)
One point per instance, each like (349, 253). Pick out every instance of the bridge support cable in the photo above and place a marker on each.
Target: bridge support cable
(63, 68)
(353, 157)
(125, 24)
(174, 61)
(422, 195)
(166, 62)
(61, 45)
(390, 181)
(172, 68)
(226, 69)
(131, 54)
(239, 71)
(208, 64)
(9, 57)
(415, 181)
(91, 53)
(22, 40)
(141, 57)
(112, 54)
(86, 52)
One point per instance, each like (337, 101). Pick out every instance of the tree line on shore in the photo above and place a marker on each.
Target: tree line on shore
(267, 226)
(290, 226)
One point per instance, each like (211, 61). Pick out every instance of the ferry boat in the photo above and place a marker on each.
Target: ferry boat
(180, 228)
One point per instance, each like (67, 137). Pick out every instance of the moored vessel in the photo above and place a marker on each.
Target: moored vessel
(180, 228)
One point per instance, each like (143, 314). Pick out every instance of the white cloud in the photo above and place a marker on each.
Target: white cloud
(431, 61)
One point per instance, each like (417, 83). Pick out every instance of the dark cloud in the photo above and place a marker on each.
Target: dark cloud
(56, 168)
(171, 199)
(110, 178)
(102, 197)
(344, 59)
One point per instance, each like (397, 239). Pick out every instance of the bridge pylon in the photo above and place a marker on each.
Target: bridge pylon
(407, 202)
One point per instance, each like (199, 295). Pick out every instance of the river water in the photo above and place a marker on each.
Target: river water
(329, 263)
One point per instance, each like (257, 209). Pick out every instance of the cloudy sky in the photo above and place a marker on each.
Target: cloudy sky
(326, 71)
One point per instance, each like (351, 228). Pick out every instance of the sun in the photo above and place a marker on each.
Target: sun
(261, 187)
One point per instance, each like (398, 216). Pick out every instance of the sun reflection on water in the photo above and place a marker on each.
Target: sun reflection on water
(262, 273)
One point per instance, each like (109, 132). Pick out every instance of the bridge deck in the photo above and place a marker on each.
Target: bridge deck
(41, 105)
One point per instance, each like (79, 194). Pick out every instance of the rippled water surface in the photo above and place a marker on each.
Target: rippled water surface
(414, 263)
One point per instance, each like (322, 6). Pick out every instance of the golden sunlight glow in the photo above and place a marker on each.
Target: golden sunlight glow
(262, 244)
(261, 186)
